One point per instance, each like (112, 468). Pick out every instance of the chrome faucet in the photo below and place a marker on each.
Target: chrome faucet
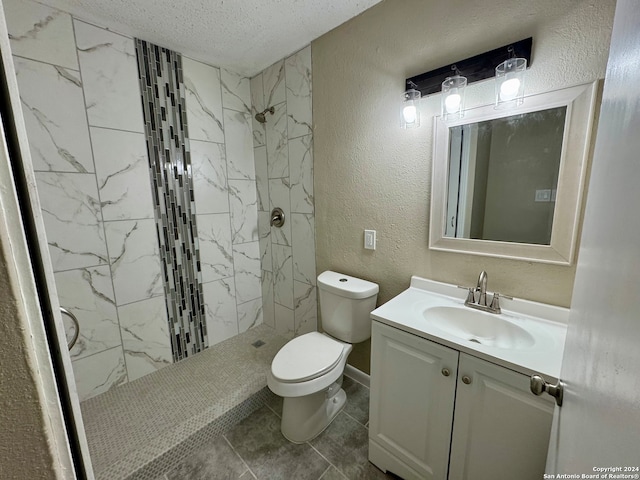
(477, 297)
(482, 288)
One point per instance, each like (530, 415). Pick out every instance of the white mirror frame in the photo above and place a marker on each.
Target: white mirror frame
(580, 102)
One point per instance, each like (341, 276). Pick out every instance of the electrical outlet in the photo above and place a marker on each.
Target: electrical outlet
(370, 239)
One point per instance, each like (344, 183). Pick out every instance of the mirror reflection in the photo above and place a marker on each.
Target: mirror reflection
(503, 176)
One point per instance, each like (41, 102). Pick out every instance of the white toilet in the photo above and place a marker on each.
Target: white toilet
(307, 371)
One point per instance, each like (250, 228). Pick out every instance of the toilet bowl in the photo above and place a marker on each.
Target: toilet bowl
(308, 370)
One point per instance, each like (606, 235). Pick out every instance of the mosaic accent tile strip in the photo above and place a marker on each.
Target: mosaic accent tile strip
(163, 101)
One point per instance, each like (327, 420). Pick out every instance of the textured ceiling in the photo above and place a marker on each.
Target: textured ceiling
(242, 35)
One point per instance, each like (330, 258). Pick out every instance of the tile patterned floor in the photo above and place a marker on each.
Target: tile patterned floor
(256, 450)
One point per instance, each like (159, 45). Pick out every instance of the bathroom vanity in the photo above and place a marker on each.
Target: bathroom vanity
(450, 386)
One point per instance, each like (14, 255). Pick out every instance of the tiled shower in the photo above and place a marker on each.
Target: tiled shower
(283, 152)
(83, 111)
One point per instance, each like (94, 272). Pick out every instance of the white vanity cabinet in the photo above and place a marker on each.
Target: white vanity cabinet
(412, 401)
(500, 429)
(478, 422)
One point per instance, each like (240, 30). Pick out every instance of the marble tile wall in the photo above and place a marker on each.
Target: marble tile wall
(224, 179)
(283, 153)
(81, 102)
(80, 98)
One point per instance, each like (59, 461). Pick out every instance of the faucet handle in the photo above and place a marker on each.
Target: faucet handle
(470, 294)
(502, 295)
(495, 301)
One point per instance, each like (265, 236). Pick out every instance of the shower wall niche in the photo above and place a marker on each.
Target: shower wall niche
(83, 111)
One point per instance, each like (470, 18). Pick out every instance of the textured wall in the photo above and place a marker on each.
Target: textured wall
(371, 174)
(24, 452)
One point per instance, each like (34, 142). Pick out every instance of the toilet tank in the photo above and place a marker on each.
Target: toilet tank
(345, 305)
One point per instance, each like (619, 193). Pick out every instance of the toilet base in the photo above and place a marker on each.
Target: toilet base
(304, 418)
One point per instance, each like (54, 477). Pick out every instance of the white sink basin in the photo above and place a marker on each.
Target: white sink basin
(527, 337)
(479, 327)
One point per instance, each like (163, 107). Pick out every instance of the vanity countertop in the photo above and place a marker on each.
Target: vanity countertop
(547, 324)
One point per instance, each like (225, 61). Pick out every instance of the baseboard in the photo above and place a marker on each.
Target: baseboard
(358, 375)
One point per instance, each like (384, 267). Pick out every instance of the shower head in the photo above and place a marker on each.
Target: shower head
(261, 117)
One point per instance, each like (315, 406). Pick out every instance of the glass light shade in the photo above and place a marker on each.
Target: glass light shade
(410, 117)
(410, 114)
(453, 89)
(510, 82)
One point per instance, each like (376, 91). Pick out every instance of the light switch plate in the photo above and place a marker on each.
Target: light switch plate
(543, 195)
(370, 239)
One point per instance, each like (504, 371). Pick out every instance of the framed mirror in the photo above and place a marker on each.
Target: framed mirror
(509, 183)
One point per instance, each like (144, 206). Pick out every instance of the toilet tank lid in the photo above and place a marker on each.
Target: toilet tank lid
(346, 286)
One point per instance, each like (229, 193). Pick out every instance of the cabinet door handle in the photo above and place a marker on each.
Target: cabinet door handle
(446, 372)
(466, 379)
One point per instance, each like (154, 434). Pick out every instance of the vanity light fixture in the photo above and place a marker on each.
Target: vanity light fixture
(453, 89)
(517, 56)
(410, 112)
(510, 82)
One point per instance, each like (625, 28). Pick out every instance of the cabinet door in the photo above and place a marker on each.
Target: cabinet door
(411, 404)
(501, 430)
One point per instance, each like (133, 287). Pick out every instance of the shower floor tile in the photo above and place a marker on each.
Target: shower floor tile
(130, 428)
(255, 449)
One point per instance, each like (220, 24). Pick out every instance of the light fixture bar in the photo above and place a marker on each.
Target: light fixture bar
(473, 68)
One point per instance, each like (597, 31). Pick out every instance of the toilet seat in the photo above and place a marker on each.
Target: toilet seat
(322, 377)
(306, 357)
